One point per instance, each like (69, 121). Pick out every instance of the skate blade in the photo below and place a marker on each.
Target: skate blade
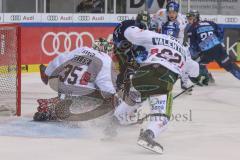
(155, 149)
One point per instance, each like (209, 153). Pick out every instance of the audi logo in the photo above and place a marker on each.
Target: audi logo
(68, 41)
(52, 18)
(15, 18)
(231, 20)
(84, 18)
(122, 18)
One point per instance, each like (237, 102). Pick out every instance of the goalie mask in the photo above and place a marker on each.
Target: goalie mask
(103, 45)
(143, 20)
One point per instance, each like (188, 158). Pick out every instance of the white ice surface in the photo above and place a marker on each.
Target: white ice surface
(212, 134)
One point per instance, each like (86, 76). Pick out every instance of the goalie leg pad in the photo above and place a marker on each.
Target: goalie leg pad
(46, 109)
(64, 112)
(57, 109)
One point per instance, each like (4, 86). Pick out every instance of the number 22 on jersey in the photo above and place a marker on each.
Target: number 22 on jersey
(169, 55)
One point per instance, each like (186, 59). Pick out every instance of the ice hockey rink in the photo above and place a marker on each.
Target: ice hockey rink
(207, 127)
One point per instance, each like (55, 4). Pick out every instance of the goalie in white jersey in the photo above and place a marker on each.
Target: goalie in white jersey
(83, 71)
(162, 59)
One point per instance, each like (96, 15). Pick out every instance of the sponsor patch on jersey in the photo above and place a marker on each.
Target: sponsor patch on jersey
(161, 13)
(203, 23)
(91, 54)
(205, 29)
(82, 60)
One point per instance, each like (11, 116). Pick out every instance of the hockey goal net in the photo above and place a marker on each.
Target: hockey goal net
(10, 70)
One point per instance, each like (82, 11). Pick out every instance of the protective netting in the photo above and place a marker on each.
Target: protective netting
(8, 70)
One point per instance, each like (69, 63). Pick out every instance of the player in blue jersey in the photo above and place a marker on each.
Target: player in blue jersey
(171, 28)
(166, 17)
(205, 43)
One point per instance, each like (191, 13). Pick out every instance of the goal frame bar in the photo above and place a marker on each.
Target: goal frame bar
(18, 65)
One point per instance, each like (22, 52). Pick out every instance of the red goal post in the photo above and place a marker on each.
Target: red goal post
(10, 69)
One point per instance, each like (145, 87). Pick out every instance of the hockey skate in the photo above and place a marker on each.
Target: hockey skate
(145, 140)
(211, 79)
(185, 87)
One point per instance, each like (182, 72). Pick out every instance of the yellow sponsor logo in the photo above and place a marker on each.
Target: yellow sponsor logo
(30, 68)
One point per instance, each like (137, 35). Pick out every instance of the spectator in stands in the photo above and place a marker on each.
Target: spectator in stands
(91, 6)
